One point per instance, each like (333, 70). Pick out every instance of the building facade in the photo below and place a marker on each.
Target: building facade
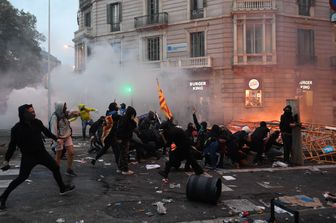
(242, 58)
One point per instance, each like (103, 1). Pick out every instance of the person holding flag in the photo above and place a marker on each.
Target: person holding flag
(163, 104)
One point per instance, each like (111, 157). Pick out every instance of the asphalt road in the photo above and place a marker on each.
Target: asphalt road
(102, 195)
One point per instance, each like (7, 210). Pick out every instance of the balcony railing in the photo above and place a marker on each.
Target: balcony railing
(247, 5)
(84, 32)
(84, 3)
(197, 13)
(115, 27)
(191, 62)
(151, 20)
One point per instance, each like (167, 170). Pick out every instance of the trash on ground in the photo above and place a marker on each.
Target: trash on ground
(139, 202)
(301, 200)
(229, 178)
(80, 161)
(100, 160)
(281, 211)
(267, 185)
(329, 196)
(226, 188)
(279, 164)
(152, 166)
(173, 185)
(240, 205)
(107, 164)
(159, 191)
(244, 214)
(161, 209)
(149, 214)
(60, 220)
(264, 203)
(167, 200)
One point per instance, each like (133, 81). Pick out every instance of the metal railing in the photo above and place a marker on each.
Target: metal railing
(239, 5)
(189, 62)
(84, 32)
(197, 13)
(151, 20)
(83, 3)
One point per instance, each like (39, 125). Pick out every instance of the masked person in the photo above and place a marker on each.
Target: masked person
(125, 128)
(60, 126)
(287, 123)
(122, 110)
(26, 134)
(180, 149)
(85, 116)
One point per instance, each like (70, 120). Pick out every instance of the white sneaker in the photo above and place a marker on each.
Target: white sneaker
(129, 172)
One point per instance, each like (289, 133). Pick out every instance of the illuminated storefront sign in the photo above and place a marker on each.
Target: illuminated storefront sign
(198, 85)
(305, 84)
(253, 98)
(254, 84)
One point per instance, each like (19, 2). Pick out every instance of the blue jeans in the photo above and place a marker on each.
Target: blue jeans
(211, 153)
(84, 124)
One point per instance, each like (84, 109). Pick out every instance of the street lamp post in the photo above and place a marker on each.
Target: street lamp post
(49, 81)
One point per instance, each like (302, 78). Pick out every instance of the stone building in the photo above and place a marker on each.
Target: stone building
(242, 58)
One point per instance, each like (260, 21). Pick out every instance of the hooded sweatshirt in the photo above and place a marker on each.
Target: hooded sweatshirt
(85, 112)
(126, 124)
(27, 135)
(59, 123)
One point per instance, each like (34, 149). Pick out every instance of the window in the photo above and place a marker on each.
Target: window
(304, 7)
(254, 38)
(253, 98)
(197, 9)
(254, 41)
(197, 46)
(306, 46)
(114, 16)
(152, 8)
(87, 19)
(153, 48)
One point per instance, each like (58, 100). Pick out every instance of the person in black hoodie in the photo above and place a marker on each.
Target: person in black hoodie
(287, 123)
(26, 135)
(110, 140)
(125, 128)
(180, 149)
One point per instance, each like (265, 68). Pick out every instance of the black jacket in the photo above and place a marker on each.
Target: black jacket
(285, 120)
(28, 138)
(126, 124)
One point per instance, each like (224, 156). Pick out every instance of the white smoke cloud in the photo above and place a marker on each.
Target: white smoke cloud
(102, 82)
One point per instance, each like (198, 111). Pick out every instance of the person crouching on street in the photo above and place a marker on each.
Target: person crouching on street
(26, 134)
(60, 126)
(180, 149)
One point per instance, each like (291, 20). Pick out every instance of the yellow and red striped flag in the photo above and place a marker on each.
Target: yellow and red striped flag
(163, 104)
